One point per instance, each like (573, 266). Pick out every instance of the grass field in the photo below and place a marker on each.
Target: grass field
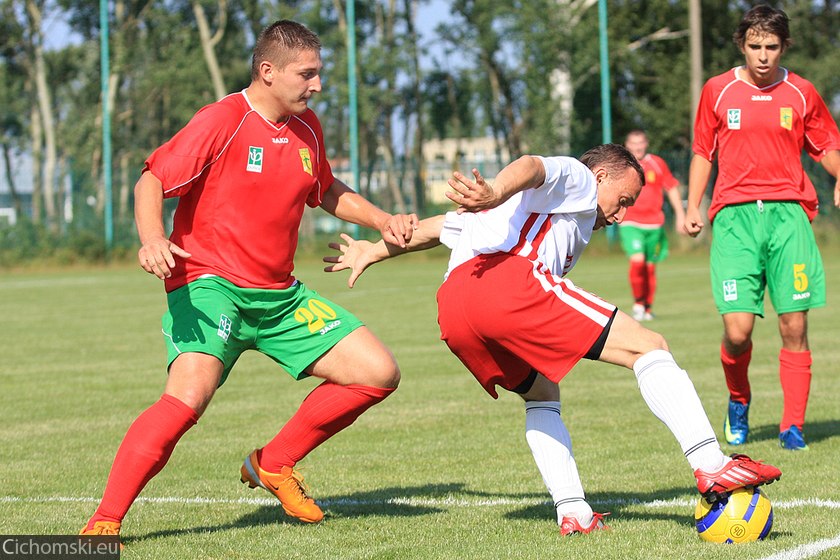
(439, 470)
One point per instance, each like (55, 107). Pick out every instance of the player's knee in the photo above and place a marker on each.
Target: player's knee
(385, 374)
(655, 341)
(737, 342)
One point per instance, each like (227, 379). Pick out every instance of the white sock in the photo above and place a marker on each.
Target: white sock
(551, 446)
(671, 396)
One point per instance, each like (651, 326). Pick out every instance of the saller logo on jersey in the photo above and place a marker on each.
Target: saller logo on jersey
(733, 119)
(786, 117)
(730, 290)
(306, 160)
(255, 159)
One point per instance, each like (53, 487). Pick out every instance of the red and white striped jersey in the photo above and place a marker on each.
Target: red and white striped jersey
(550, 225)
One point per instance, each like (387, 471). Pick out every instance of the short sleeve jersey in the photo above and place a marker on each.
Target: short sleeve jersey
(647, 210)
(758, 135)
(550, 225)
(243, 182)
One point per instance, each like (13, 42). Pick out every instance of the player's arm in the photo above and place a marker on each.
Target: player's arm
(831, 163)
(358, 255)
(698, 177)
(157, 252)
(346, 204)
(675, 199)
(527, 172)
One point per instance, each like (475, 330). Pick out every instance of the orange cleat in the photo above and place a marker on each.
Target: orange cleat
(102, 528)
(287, 485)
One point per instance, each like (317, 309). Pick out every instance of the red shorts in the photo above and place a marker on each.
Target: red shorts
(503, 316)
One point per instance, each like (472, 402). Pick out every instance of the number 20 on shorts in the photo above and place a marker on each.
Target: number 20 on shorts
(316, 313)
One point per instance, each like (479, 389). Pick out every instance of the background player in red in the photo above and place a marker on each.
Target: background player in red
(510, 314)
(642, 229)
(757, 118)
(244, 169)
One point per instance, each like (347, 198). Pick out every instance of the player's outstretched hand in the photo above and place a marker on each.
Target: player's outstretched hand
(157, 256)
(472, 196)
(399, 228)
(693, 221)
(356, 255)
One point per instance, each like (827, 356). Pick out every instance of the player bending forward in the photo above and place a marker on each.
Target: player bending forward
(507, 311)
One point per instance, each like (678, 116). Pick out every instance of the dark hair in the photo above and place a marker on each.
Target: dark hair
(279, 42)
(636, 132)
(615, 158)
(764, 19)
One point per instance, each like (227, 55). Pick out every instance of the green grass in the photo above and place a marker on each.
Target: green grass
(439, 470)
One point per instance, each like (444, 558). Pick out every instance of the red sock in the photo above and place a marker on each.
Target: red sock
(144, 451)
(795, 375)
(638, 281)
(651, 285)
(327, 410)
(735, 369)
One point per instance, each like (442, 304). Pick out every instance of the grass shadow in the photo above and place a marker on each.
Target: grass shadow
(392, 502)
(814, 432)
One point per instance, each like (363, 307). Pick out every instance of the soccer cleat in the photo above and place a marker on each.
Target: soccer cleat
(736, 425)
(648, 316)
(740, 472)
(571, 526)
(287, 485)
(102, 528)
(792, 439)
(638, 312)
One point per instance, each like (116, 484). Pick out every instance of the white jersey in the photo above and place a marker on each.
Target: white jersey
(549, 225)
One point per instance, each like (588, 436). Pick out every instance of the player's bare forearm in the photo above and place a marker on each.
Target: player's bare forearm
(476, 195)
(157, 253)
(698, 177)
(831, 163)
(358, 255)
(675, 199)
(344, 203)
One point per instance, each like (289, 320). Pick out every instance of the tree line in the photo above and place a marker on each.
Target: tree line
(525, 72)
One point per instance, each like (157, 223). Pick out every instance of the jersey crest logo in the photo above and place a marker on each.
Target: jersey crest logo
(255, 159)
(733, 119)
(650, 176)
(305, 160)
(786, 118)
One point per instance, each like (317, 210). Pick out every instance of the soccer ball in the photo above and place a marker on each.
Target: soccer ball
(744, 515)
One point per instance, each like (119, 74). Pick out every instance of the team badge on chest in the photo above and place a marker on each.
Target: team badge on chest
(306, 160)
(786, 118)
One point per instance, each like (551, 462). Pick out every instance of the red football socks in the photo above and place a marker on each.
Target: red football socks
(651, 285)
(144, 451)
(327, 410)
(795, 375)
(735, 368)
(638, 281)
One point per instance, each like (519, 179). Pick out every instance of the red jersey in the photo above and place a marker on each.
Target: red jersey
(647, 210)
(243, 182)
(759, 134)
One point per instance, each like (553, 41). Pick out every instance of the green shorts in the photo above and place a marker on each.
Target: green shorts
(758, 244)
(293, 327)
(652, 242)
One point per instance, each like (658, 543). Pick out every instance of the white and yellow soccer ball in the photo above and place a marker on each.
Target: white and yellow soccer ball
(745, 515)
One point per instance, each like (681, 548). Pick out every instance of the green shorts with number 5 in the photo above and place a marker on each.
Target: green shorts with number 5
(294, 327)
(765, 244)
